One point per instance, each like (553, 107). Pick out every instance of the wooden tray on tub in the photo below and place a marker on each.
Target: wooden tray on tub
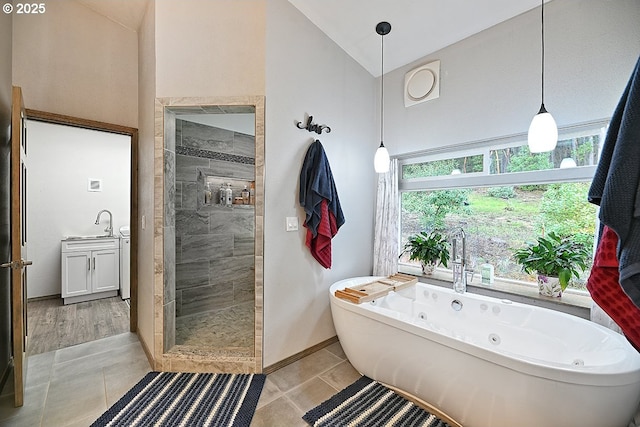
(376, 289)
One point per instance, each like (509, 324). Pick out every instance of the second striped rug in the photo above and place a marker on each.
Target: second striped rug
(367, 403)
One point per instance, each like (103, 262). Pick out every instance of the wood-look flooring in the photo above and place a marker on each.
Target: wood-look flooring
(51, 325)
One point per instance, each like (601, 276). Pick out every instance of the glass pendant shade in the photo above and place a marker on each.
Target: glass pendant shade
(381, 159)
(543, 132)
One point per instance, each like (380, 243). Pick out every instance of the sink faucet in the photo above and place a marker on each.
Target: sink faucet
(459, 262)
(109, 229)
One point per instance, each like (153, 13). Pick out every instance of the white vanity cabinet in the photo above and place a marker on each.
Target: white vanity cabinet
(90, 269)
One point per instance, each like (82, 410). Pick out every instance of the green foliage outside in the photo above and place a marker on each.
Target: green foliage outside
(564, 211)
(502, 192)
(498, 226)
(433, 207)
(467, 164)
(525, 161)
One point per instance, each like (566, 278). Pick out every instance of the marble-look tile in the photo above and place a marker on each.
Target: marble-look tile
(192, 274)
(74, 397)
(169, 188)
(208, 246)
(92, 348)
(270, 392)
(303, 370)
(243, 290)
(220, 220)
(179, 132)
(231, 169)
(231, 268)
(205, 137)
(228, 328)
(178, 201)
(169, 338)
(170, 131)
(189, 195)
(205, 298)
(190, 361)
(311, 393)
(243, 244)
(178, 304)
(191, 222)
(30, 413)
(178, 249)
(244, 221)
(280, 412)
(169, 274)
(39, 367)
(186, 167)
(244, 145)
(336, 349)
(341, 375)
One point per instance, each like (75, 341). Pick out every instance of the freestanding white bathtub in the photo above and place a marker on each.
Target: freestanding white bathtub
(491, 363)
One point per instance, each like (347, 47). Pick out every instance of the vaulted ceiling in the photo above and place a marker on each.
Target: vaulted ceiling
(419, 27)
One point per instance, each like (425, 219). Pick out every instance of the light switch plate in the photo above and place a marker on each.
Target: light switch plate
(292, 223)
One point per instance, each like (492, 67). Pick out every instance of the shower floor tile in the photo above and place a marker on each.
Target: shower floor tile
(225, 329)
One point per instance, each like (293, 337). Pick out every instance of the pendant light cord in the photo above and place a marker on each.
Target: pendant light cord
(382, 92)
(542, 36)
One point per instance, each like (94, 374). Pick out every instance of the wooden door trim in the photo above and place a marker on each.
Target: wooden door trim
(47, 117)
(17, 291)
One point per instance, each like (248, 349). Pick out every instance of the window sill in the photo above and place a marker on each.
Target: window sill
(571, 302)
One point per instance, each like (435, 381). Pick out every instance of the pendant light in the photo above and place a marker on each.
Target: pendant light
(543, 131)
(381, 159)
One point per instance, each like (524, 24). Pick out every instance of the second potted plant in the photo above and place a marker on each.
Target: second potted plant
(430, 248)
(555, 260)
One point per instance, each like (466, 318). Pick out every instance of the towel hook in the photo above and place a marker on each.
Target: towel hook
(312, 127)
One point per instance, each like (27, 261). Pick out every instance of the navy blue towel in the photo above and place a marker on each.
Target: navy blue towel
(616, 184)
(316, 184)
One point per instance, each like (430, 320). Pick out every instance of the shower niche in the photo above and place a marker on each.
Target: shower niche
(212, 261)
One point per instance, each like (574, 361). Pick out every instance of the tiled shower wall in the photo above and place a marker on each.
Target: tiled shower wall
(214, 244)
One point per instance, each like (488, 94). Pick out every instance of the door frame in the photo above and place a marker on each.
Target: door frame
(59, 119)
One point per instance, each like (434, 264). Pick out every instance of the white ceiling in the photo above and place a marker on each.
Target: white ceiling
(418, 27)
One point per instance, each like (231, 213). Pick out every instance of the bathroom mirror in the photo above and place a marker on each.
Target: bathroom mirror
(212, 235)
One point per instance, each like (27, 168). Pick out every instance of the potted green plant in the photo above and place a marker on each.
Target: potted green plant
(555, 260)
(430, 248)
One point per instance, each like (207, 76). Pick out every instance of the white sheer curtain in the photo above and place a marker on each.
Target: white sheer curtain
(385, 241)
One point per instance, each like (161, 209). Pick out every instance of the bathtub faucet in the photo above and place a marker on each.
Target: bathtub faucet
(459, 260)
(109, 228)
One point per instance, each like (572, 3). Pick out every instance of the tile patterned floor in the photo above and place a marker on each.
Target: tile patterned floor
(230, 327)
(73, 386)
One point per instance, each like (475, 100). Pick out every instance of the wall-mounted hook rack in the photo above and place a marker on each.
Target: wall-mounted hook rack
(312, 127)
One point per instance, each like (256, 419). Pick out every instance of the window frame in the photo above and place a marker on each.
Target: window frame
(484, 178)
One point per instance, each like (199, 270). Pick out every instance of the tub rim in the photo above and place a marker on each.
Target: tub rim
(529, 366)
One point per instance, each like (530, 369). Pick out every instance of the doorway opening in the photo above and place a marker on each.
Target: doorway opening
(65, 206)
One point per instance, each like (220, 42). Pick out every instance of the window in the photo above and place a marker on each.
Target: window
(504, 197)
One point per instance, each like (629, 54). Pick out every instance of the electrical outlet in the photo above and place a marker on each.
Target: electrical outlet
(292, 223)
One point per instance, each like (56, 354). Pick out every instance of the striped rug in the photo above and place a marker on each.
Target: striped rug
(367, 403)
(187, 399)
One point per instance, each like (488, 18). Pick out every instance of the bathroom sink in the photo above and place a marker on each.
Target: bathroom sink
(103, 236)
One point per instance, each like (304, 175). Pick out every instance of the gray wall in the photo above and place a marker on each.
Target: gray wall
(490, 84)
(5, 127)
(307, 73)
(214, 244)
